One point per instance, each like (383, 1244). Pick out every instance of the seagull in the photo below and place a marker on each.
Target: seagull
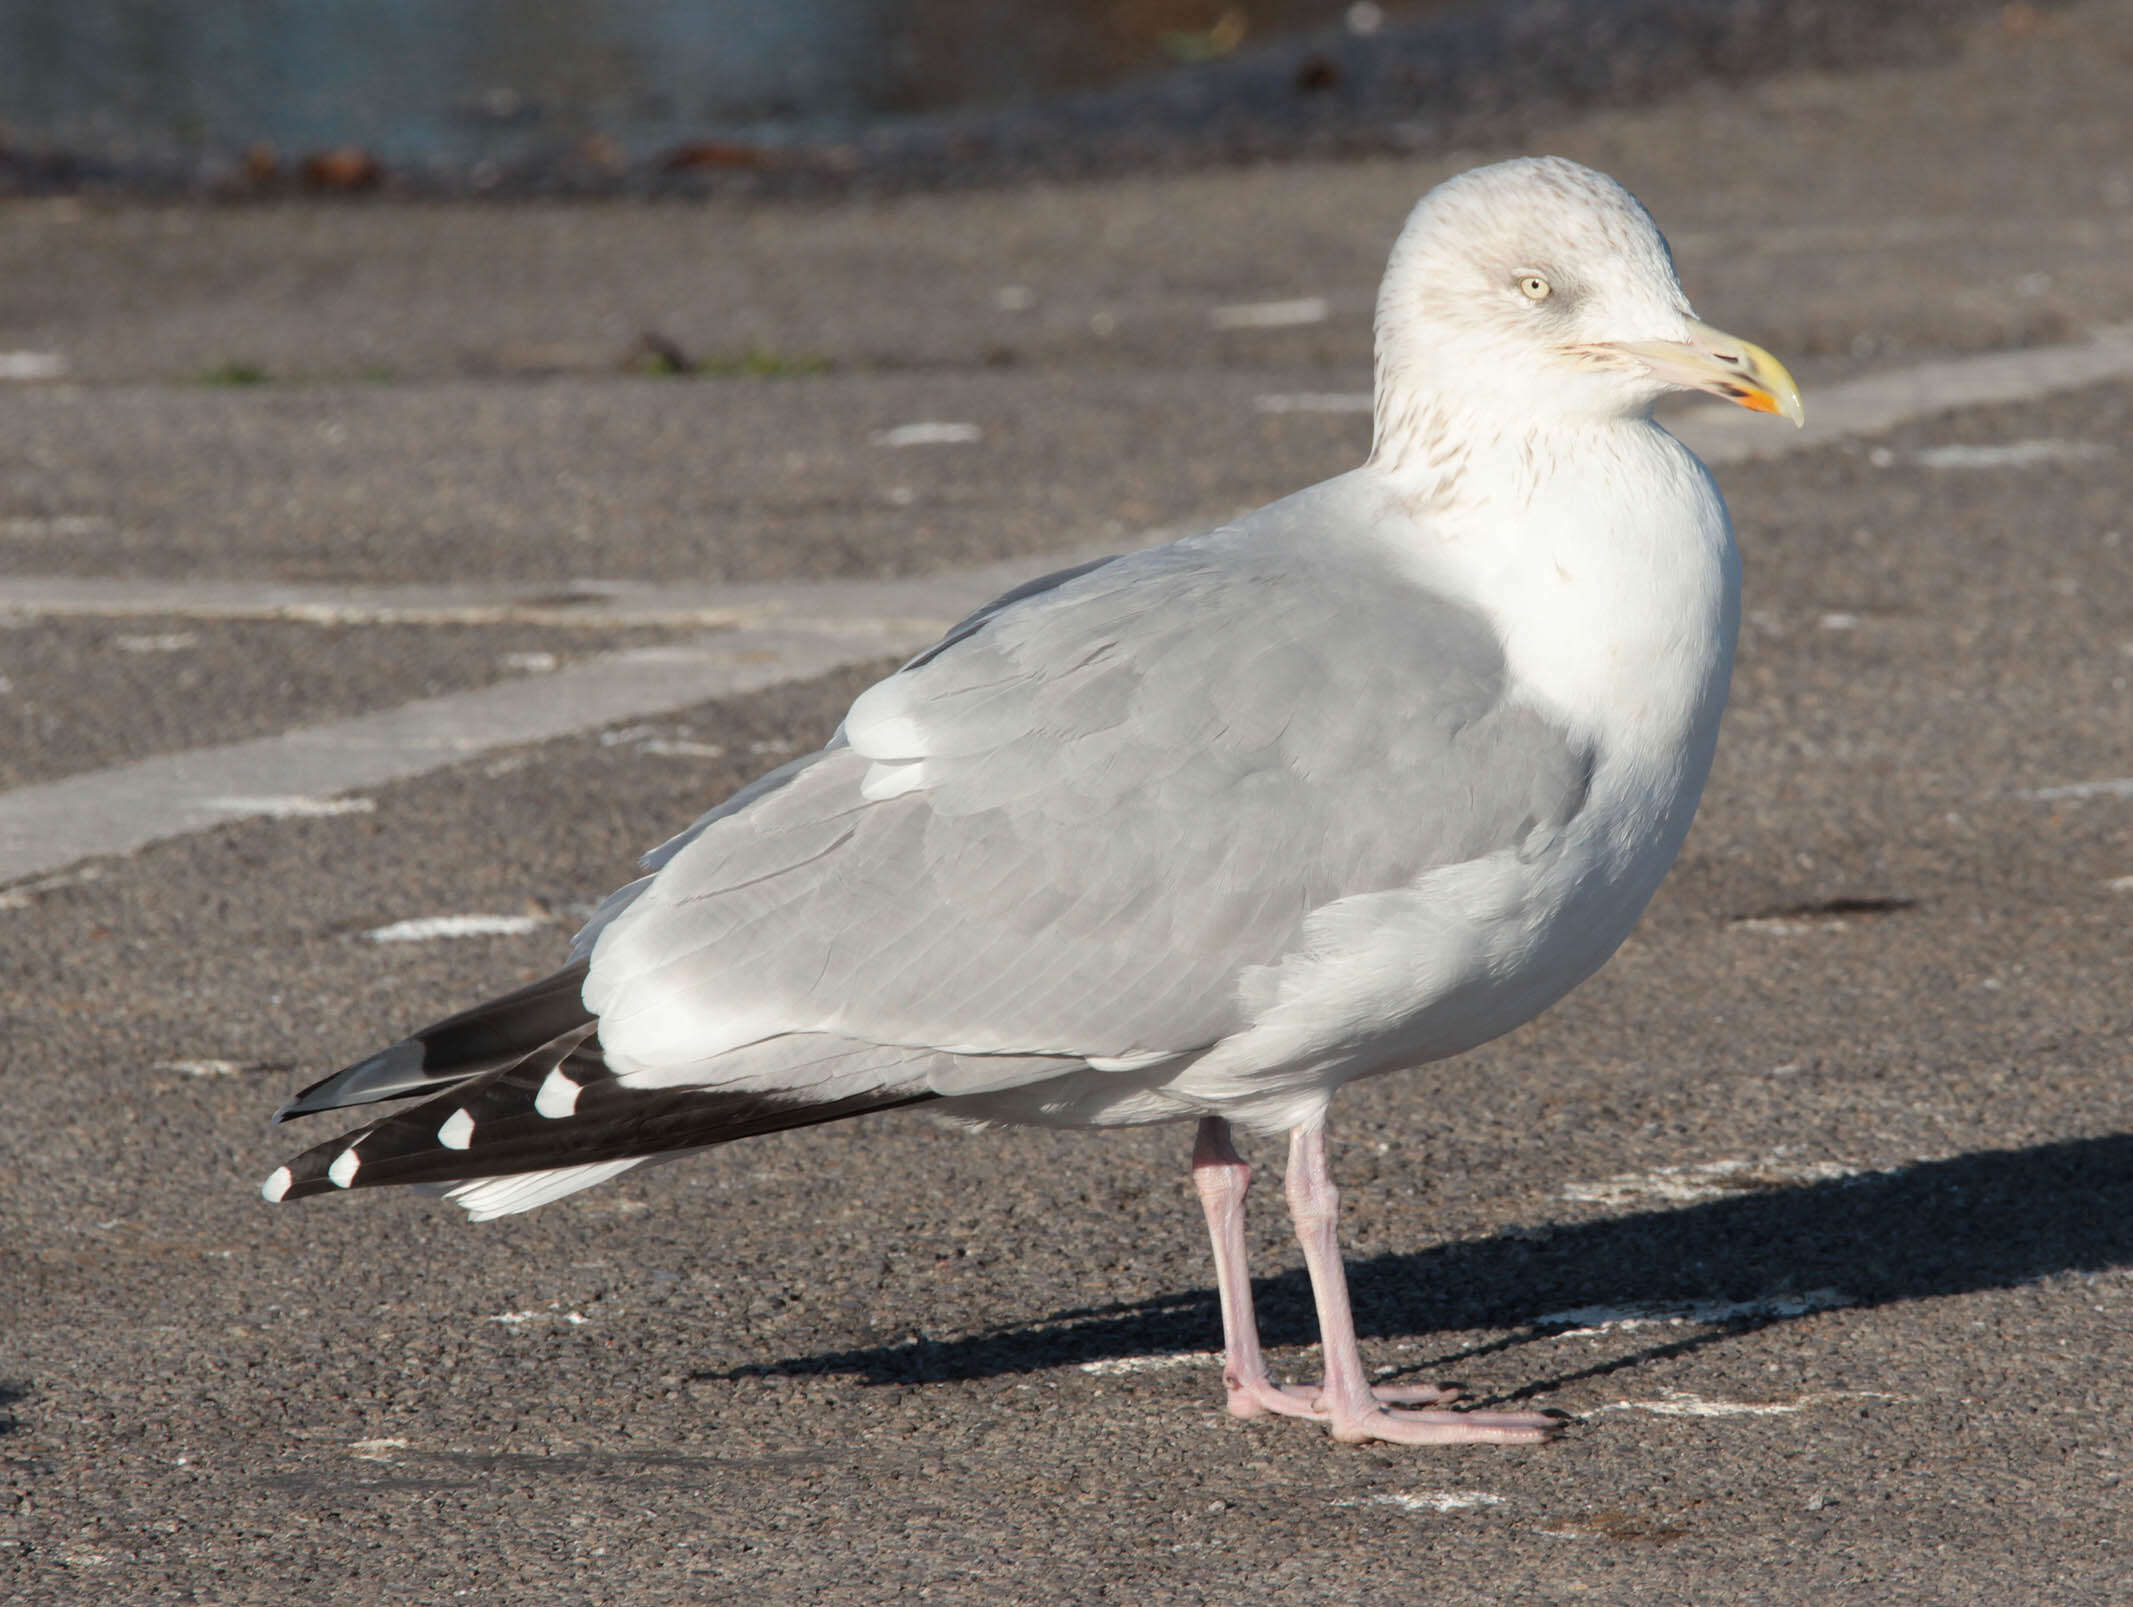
(1356, 782)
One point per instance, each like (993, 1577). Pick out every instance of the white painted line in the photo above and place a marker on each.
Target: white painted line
(776, 634)
(170, 642)
(29, 527)
(376, 1450)
(1592, 1320)
(118, 810)
(1708, 1180)
(115, 811)
(290, 806)
(215, 1068)
(2117, 787)
(516, 1320)
(428, 928)
(1271, 314)
(861, 607)
(1680, 1403)
(1112, 1365)
(31, 365)
(22, 896)
(2009, 454)
(1426, 1500)
(929, 432)
(1313, 402)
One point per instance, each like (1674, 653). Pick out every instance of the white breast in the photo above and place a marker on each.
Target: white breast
(1616, 592)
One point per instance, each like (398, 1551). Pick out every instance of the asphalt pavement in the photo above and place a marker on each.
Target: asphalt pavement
(1813, 1207)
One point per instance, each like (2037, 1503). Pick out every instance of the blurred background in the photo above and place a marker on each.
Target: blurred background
(482, 93)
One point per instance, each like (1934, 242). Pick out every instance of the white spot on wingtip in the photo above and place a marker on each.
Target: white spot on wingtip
(558, 1096)
(276, 1188)
(343, 1170)
(457, 1131)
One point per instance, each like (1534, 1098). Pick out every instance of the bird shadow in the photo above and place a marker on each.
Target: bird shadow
(1993, 1219)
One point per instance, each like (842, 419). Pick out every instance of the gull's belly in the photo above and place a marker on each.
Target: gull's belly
(1461, 956)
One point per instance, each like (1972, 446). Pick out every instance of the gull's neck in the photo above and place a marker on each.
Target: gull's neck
(1439, 433)
(1595, 543)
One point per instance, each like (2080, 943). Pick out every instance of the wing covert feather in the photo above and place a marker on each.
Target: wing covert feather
(1069, 829)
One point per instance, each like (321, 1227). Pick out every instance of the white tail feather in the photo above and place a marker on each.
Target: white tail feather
(483, 1198)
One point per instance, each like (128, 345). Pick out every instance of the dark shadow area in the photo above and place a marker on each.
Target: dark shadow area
(1832, 909)
(1991, 1220)
(11, 1391)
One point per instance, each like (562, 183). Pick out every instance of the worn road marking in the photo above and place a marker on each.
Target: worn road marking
(1271, 314)
(1707, 1180)
(1680, 1403)
(930, 432)
(428, 928)
(2116, 787)
(1111, 1365)
(118, 810)
(1313, 402)
(858, 607)
(2008, 454)
(1426, 1500)
(770, 634)
(1592, 1320)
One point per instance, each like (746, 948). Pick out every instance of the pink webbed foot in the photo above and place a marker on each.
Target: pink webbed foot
(1447, 1428)
(1347, 1403)
(1261, 1397)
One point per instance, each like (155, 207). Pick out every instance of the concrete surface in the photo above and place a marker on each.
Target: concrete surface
(1813, 1205)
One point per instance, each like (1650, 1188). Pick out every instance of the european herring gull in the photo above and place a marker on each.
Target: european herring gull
(1356, 782)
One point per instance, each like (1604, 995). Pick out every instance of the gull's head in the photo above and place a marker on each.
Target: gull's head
(1537, 289)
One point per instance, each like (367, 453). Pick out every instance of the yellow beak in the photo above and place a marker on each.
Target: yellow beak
(1712, 360)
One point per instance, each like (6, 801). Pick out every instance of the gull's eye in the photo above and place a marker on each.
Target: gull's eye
(1533, 287)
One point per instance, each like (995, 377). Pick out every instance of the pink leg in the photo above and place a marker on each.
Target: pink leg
(1348, 1404)
(1223, 1178)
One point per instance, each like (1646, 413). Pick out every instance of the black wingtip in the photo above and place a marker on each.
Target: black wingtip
(391, 1073)
(445, 1054)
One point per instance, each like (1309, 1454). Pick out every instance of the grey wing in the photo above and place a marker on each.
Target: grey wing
(616, 902)
(1071, 829)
